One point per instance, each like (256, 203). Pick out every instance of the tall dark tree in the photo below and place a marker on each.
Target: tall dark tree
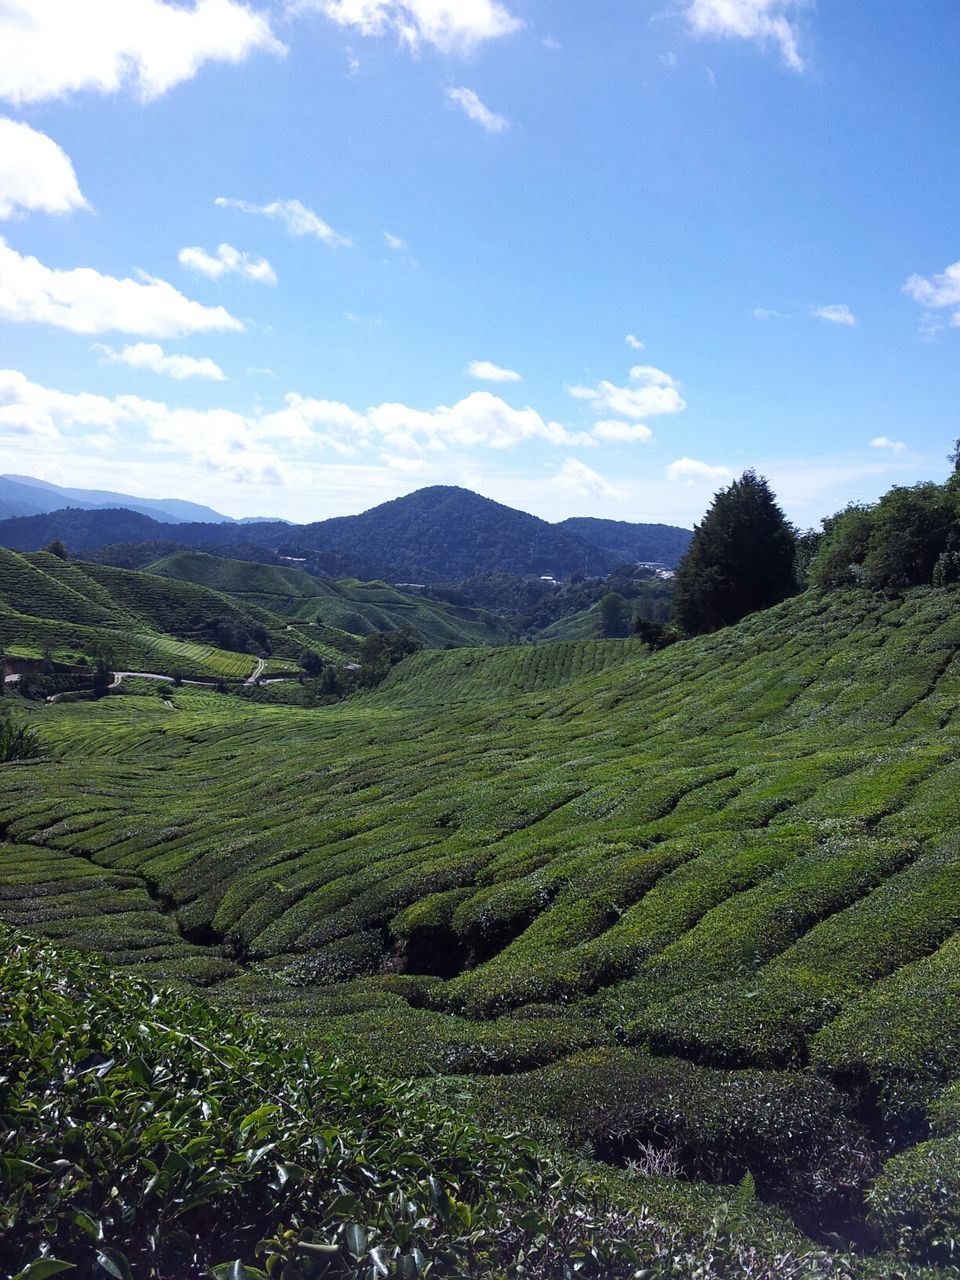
(614, 616)
(741, 558)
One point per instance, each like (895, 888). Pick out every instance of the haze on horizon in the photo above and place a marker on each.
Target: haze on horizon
(298, 257)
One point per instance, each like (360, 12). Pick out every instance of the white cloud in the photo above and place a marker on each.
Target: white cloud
(409, 466)
(690, 471)
(485, 371)
(226, 261)
(51, 48)
(295, 218)
(654, 392)
(762, 21)
(577, 477)
(835, 313)
(668, 60)
(615, 432)
(766, 313)
(480, 419)
(85, 301)
(633, 343)
(941, 290)
(471, 105)
(35, 174)
(884, 442)
(396, 243)
(451, 26)
(151, 356)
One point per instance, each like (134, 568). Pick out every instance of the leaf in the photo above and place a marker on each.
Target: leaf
(356, 1239)
(87, 1224)
(379, 1263)
(237, 1271)
(115, 1264)
(42, 1268)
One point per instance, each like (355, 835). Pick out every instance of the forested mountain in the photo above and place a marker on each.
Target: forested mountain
(632, 543)
(440, 533)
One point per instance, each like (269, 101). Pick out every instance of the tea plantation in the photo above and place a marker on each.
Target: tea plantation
(691, 918)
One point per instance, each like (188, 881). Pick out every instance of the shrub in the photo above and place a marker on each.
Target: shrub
(18, 741)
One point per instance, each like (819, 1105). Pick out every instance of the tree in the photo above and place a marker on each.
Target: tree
(56, 548)
(311, 662)
(614, 616)
(741, 558)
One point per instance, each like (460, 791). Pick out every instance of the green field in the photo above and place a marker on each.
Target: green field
(360, 608)
(148, 623)
(704, 903)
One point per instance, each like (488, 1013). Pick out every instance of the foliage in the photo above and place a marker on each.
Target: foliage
(741, 558)
(18, 741)
(614, 617)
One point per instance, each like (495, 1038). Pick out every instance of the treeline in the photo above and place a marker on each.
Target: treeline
(745, 554)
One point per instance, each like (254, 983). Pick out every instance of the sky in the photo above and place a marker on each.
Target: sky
(587, 257)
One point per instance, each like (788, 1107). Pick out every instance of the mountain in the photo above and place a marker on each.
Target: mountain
(38, 496)
(445, 532)
(632, 543)
(436, 534)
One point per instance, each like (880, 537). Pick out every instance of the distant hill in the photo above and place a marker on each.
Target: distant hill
(632, 543)
(361, 608)
(438, 534)
(27, 496)
(445, 532)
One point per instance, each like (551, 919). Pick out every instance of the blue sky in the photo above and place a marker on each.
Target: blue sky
(297, 258)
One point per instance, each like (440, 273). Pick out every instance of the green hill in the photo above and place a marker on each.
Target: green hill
(360, 608)
(700, 907)
(143, 621)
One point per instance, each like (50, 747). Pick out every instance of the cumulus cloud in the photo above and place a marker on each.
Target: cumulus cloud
(451, 26)
(481, 419)
(151, 356)
(409, 466)
(633, 343)
(939, 291)
(884, 442)
(294, 217)
(226, 261)
(52, 48)
(35, 174)
(762, 21)
(613, 431)
(691, 471)
(85, 301)
(470, 104)
(486, 371)
(577, 477)
(215, 439)
(651, 392)
(835, 313)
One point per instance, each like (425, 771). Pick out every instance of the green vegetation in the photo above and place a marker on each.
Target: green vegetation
(693, 912)
(741, 558)
(359, 608)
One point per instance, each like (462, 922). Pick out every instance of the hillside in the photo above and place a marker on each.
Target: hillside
(705, 902)
(632, 543)
(441, 533)
(361, 608)
(144, 622)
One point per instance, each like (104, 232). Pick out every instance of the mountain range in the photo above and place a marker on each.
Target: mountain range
(436, 534)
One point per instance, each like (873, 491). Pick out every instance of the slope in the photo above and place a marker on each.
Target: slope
(632, 543)
(707, 900)
(42, 496)
(360, 608)
(63, 605)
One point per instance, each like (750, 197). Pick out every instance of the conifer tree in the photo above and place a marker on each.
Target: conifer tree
(741, 558)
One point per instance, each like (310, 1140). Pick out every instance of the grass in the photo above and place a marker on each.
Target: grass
(704, 901)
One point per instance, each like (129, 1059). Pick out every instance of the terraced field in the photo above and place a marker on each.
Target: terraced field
(360, 608)
(145, 622)
(705, 903)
